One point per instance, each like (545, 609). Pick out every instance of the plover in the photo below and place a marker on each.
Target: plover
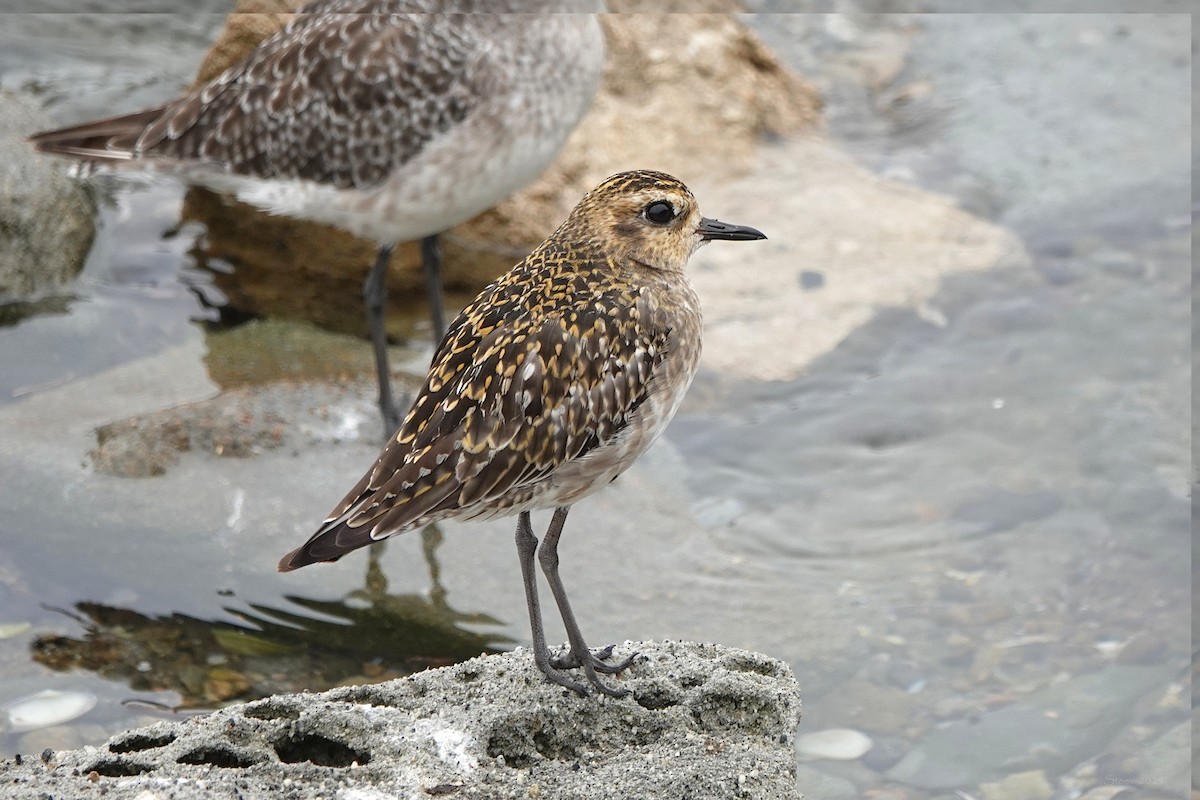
(546, 388)
(379, 117)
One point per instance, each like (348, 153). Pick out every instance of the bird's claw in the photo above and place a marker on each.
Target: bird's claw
(598, 660)
(591, 663)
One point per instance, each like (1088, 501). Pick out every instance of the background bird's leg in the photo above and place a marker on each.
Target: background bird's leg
(526, 546)
(431, 260)
(375, 297)
(580, 655)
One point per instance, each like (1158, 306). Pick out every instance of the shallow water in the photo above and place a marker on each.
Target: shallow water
(968, 516)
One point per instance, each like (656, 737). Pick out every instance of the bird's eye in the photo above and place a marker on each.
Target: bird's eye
(659, 212)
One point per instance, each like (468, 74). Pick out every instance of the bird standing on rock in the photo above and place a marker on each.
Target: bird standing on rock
(545, 388)
(392, 119)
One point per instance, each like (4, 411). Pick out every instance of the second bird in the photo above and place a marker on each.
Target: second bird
(378, 117)
(547, 387)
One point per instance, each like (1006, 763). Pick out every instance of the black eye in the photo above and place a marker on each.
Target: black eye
(660, 212)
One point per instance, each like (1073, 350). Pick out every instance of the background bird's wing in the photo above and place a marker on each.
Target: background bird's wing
(506, 404)
(338, 96)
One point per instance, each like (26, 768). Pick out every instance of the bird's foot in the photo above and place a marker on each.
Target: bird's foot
(591, 663)
(598, 660)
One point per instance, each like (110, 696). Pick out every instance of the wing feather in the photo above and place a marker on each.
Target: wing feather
(511, 398)
(340, 95)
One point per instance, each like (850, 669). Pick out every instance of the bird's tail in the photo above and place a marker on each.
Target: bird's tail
(112, 139)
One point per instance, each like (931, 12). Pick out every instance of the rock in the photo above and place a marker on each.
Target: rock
(666, 86)
(866, 706)
(1143, 648)
(1052, 729)
(825, 786)
(1020, 786)
(878, 244)
(44, 709)
(835, 744)
(1165, 764)
(46, 218)
(240, 422)
(716, 720)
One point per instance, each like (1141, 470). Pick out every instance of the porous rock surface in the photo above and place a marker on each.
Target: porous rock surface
(703, 721)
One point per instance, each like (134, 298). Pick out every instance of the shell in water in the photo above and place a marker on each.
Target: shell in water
(43, 709)
(837, 744)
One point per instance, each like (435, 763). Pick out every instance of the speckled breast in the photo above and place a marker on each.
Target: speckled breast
(668, 304)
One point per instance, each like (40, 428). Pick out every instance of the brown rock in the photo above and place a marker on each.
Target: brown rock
(672, 83)
(223, 684)
(249, 23)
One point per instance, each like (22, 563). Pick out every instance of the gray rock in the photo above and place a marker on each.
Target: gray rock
(703, 721)
(1165, 764)
(1052, 729)
(825, 786)
(46, 218)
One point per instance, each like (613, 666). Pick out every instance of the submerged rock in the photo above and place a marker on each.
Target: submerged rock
(47, 707)
(1052, 730)
(835, 744)
(703, 721)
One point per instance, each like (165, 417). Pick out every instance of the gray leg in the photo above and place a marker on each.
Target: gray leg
(431, 259)
(526, 546)
(580, 655)
(375, 296)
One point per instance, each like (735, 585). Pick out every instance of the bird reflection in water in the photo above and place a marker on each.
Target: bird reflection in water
(366, 637)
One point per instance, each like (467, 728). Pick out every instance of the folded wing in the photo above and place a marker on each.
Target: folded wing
(507, 403)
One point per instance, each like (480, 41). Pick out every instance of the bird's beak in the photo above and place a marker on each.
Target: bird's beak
(710, 229)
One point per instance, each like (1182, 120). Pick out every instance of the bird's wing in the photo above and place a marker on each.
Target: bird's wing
(337, 96)
(508, 401)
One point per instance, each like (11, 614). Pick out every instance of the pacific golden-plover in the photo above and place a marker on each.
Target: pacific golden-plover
(546, 388)
(379, 117)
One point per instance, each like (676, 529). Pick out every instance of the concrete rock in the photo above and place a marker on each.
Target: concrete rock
(703, 721)
(46, 219)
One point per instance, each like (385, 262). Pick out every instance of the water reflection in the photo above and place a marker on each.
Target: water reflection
(369, 635)
(54, 305)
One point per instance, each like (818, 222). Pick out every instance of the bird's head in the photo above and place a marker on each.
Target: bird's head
(647, 217)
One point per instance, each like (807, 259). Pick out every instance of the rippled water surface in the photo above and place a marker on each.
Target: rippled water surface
(965, 525)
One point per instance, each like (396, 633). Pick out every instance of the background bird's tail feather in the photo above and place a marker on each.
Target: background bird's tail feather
(112, 139)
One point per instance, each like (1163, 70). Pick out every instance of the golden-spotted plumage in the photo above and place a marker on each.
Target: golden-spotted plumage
(552, 381)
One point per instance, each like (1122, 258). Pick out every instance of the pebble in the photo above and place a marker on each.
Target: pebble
(1019, 786)
(43, 709)
(835, 744)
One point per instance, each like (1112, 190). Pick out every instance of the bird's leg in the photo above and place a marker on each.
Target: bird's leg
(571, 659)
(431, 260)
(580, 655)
(526, 546)
(375, 297)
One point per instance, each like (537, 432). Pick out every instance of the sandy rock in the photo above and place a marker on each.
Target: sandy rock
(46, 218)
(869, 242)
(692, 94)
(714, 721)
